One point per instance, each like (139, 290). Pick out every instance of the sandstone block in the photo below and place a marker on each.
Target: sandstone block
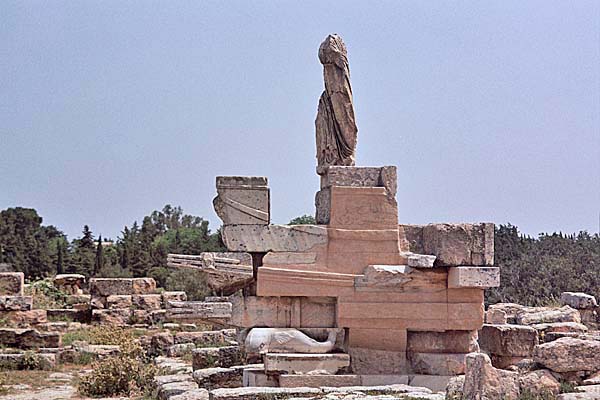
(41, 361)
(242, 200)
(578, 300)
(11, 283)
(147, 301)
(483, 381)
(304, 363)
(24, 318)
(119, 301)
(206, 338)
(293, 282)
(172, 389)
(265, 238)
(437, 363)
(103, 287)
(508, 340)
(210, 357)
(362, 208)
(569, 355)
(117, 316)
(378, 362)
(396, 276)
(316, 381)
(174, 296)
(16, 303)
(559, 327)
(442, 342)
(510, 310)
(473, 277)
(452, 244)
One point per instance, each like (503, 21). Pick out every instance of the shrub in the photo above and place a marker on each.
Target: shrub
(46, 295)
(100, 335)
(193, 283)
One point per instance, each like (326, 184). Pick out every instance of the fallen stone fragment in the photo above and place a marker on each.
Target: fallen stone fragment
(544, 315)
(195, 394)
(578, 300)
(508, 340)
(483, 381)
(219, 377)
(569, 355)
(539, 383)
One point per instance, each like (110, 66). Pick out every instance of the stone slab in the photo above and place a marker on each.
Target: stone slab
(442, 342)
(198, 310)
(508, 340)
(265, 238)
(362, 208)
(242, 200)
(316, 381)
(383, 380)
(378, 339)
(473, 277)
(304, 363)
(262, 393)
(378, 362)
(287, 282)
(104, 287)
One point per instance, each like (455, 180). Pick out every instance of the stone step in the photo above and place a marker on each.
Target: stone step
(16, 303)
(315, 381)
(198, 310)
(303, 363)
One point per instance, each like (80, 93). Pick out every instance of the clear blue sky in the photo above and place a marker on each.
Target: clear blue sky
(490, 110)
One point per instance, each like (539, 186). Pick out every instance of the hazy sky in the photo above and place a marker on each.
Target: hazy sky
(111, 109)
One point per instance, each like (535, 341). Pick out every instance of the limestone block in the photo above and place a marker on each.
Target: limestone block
(541, 315)
(69, 283)
(194, 394)
(261, 393)
(452, 244)
(540, 383)
(286, 340)
(496, 317)
(396, 276)
(24, 318)
(316, 381)
(119, 301)
(210, 357)
(161, 342)
(420, 260)
(293, 282)
(291, 312)
(559, 327)
(304, 363)
(508, 340)
(174, 296)
(205, 338)
(16, 303)
(147, 301)
(258, 378)
(435, 383)
(11, 283)
(437, 363)
(323, 206)
(198, 310)
(483, 381)
(383, 380)
(442, 342)
(378, 339)
(367, 208)
(117, 316)
(569, 354)
(143, 285)
(219, 377)
(28, 338)
(578, 300)
(242, 200)
(289, 257)
(73, 299)
(41, 361)
(172, 389)
(473, 277)
(68, 314)
(225, 273)
(378, 362)
(265, 238)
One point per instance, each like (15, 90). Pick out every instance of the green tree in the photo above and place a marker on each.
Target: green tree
(303, 220)
(99, 262)
(59, 257)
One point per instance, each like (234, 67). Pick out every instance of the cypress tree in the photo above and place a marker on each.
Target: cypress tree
(99, 263)
(59, 257)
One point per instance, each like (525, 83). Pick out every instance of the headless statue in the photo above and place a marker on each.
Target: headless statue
(335, 124)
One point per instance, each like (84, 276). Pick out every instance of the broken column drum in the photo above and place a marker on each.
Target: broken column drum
(358, 293)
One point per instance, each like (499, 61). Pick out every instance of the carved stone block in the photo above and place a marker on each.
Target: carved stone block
(473, 277)
(242, 200)
(362, 208)
(265, 238)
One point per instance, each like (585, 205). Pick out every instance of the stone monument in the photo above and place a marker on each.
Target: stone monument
(358, 297)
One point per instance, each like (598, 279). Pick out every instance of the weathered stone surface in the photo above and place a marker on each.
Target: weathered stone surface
(483, 381)
(16, 303)
(378, 362)
(473, 277)
(289, 257)
(261, 393)
(396, 276)
(172, 389)
(559, 327)
(378, 339)
(454, 389)
(452, 244)
(496, 317)
(11, 283)
(544, 315)
(147, 301)
(68, 314)
(41, 361)
(119, 301)
(510, 310)
(578, 300)
(206, 338)
(198, 310)
(103, 287)
(335, 123)
(219, 377)
(194, 394)
(361, 177)
(383, 380)
(180, 350)
(443, 342)
(210, 357)
(161, 342)
(74, 299)
(28, 338)
(286, 340)
(323, 206)
(304, 363)
(540, 383)
(225, 273)
(315, 381)
(437, 363)
(593, 379)
(569, 354)
(508, 340)
(258, 377)
(174, 296)
(265, 238)
(242, 200)
(436, 383)
(420, 260)
(117, 317)
(24, 318)
(362, 208)
(69, 283)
